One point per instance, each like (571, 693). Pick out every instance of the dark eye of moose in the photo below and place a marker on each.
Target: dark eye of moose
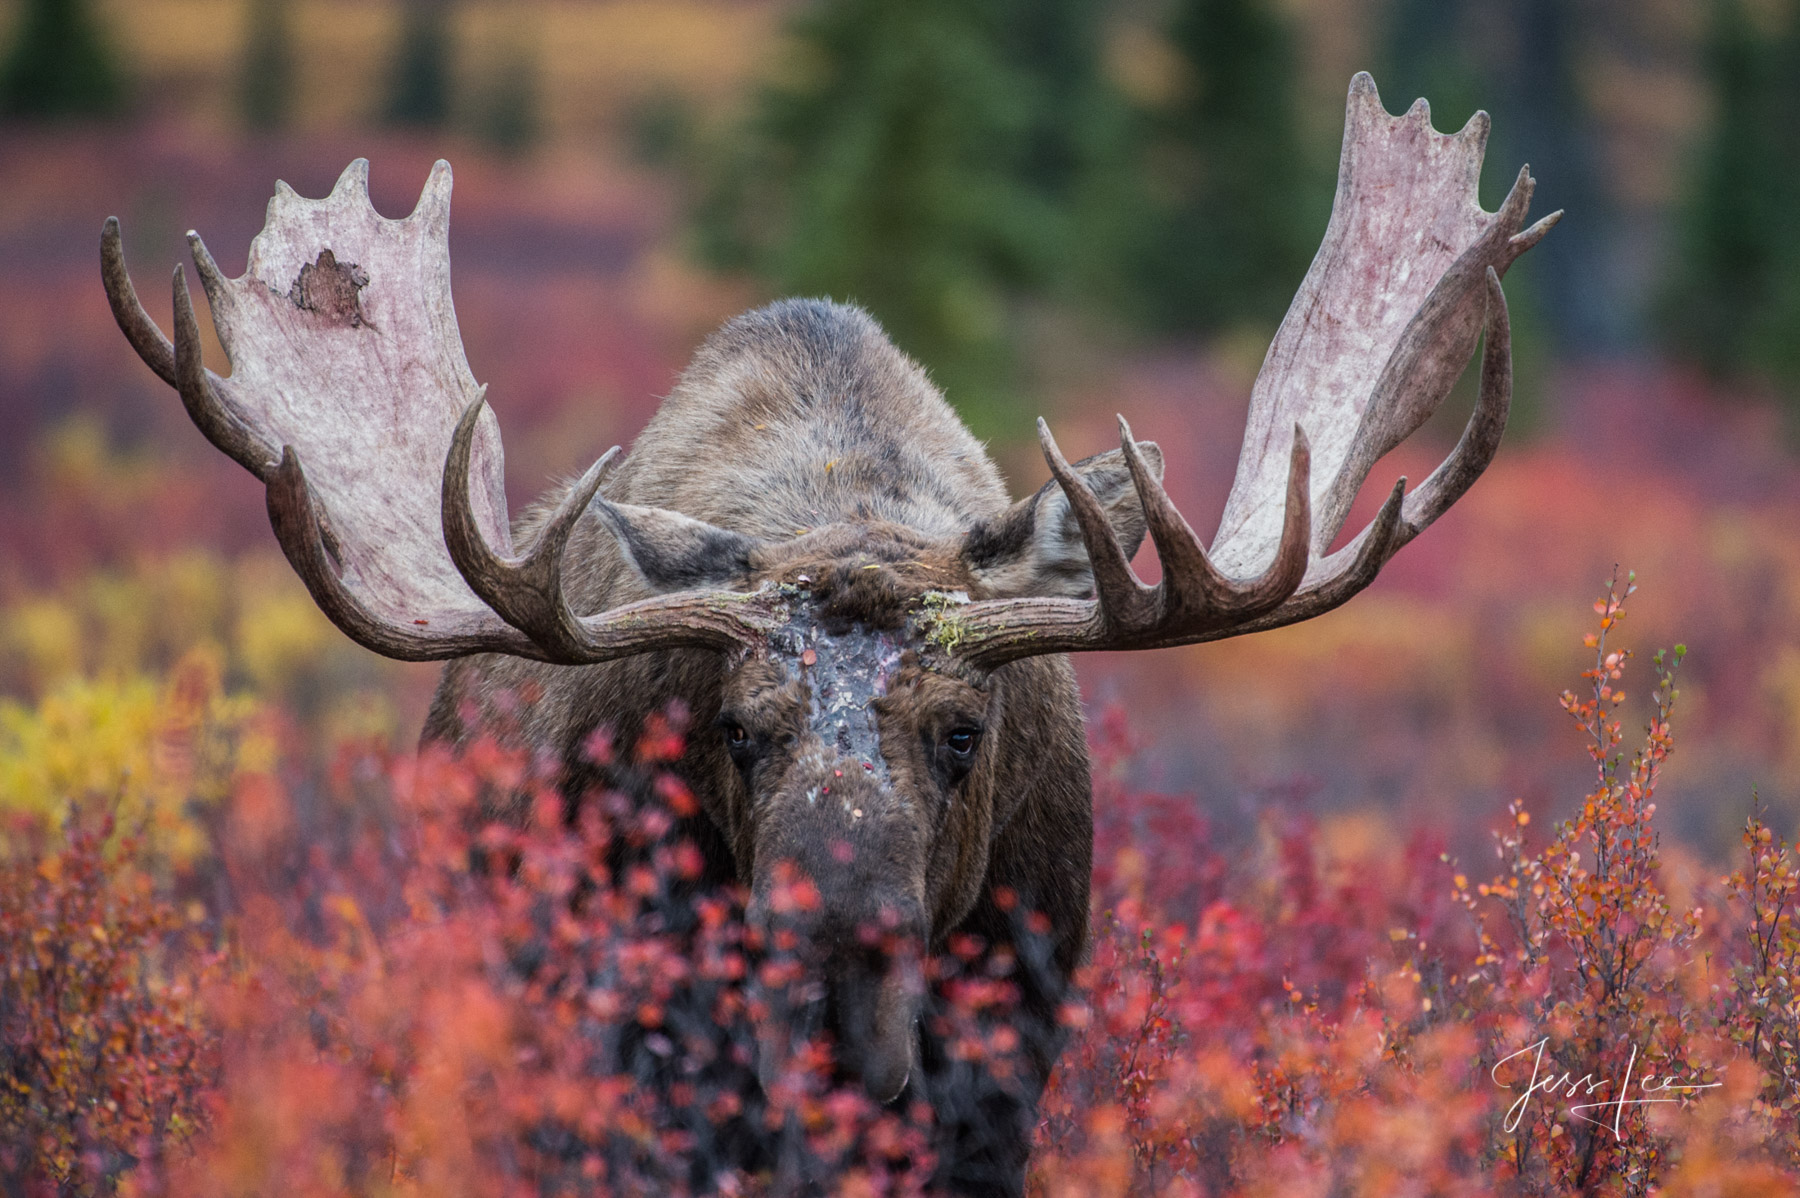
(962, 741)
(738, 742)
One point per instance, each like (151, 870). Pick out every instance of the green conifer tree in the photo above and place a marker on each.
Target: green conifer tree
(59, 64)
(1231, 184)
(1733, 301)
(509, 116)
(266, 89)
(420, 82)
(919, 158)
(1078, 150)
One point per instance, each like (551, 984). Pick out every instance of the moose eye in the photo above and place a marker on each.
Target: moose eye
(745, 749)
(961, 741)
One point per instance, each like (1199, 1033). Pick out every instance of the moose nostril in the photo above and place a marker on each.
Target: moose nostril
(885, 1078)
(873, 1017)
(792, 1016)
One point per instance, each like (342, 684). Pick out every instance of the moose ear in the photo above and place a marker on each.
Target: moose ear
(1035, 546)
(674, 552)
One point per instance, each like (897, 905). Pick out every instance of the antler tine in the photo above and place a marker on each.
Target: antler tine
(1193, 590)
(201, 398)
(1523, 241)
(148, 340)
(1194, 601)
(300, 531)
(525, 591)
(1292, 552)
(1347, 572)
(1378, 541)
(212, 279)
(1124, 599)
(1487, 424)
(198, 388)
(1190, 580)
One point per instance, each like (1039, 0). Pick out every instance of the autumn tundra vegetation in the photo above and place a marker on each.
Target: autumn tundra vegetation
(250, 946)
(227, 975)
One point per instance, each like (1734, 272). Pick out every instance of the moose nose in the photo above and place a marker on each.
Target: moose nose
(873, 1014)
(847, 966)
(868, 1010)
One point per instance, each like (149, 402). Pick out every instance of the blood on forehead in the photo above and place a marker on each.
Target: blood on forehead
(845, 671)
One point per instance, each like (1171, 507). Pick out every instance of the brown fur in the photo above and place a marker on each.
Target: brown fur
(837, 468)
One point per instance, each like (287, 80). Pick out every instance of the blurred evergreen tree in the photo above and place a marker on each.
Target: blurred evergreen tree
(59, 64)
(267, 87)
(421, 79)
(508, 120)
(1077, 149)
(925, 159)
(1733, 300)
(1232, 190)
(662, 129)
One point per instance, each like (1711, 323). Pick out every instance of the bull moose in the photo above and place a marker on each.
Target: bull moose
(808, 549)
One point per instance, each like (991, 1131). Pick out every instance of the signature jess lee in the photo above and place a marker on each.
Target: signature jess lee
(1575, 1086)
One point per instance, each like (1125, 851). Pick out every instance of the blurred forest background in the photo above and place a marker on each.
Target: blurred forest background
(1066, 207)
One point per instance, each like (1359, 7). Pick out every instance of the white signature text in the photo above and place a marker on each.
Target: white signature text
(1653, 1089)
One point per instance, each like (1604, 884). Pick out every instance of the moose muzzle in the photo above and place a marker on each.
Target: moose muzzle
(837, 902)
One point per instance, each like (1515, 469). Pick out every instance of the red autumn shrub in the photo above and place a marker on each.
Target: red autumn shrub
(106, 1051)
(1762, 1009)
(454, 974)
(518, 991)
(1343, 1031)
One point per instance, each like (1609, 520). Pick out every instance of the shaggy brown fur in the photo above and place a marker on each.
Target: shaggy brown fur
(816, 455)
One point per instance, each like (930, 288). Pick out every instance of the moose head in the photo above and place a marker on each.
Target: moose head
(808, 547)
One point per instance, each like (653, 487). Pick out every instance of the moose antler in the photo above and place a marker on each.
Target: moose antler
(1407, 276)
(346, 357)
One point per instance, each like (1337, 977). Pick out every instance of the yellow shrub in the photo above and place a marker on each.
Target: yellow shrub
(46, 635)
(279, 631)
(156, 751)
